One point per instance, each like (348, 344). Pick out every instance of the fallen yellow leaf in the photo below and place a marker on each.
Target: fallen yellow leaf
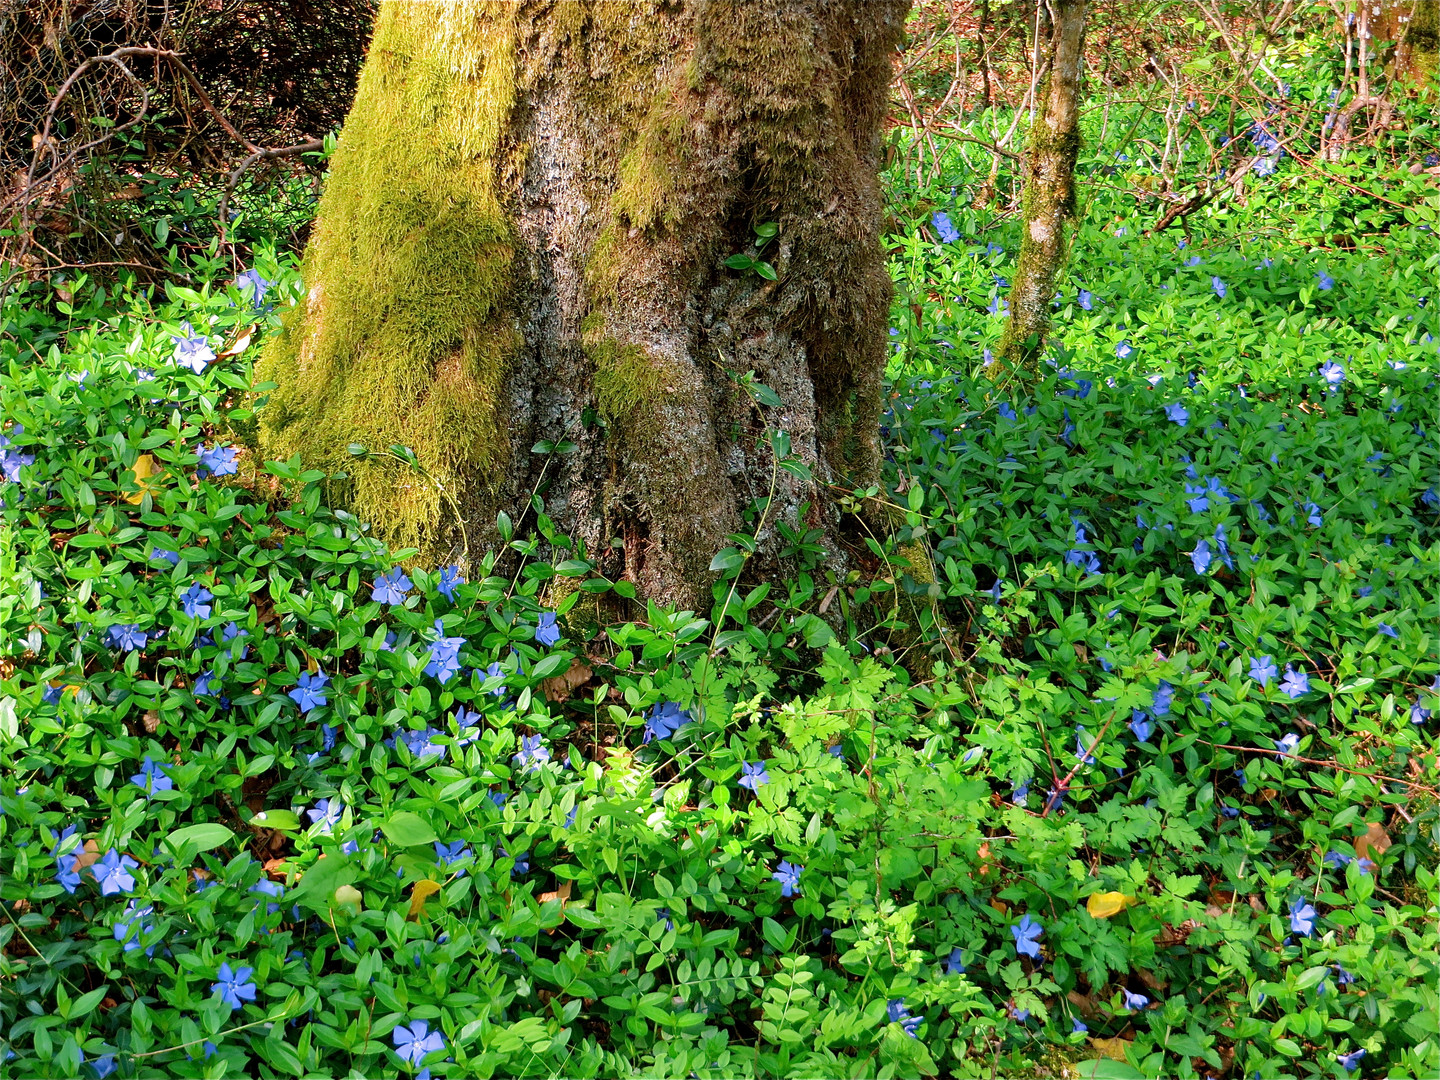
(418, 893)
(1114, 1049)
(144, 469)
(1104, 904)
(349, 896)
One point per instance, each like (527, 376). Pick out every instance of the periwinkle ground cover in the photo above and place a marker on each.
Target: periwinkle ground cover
(277, 800)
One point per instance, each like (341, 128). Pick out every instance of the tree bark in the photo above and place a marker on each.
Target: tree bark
(524, 238)
(1049, 201)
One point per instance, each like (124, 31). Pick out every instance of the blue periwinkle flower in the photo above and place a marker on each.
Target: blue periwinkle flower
(233, 986)
(415, 1042)
(391, 588)
(1027, 934)
(1302, 917)
(1177, 413)
(788, 875)
(1263, 669)
(753, 775)
(546, 632)
(944, 229)
(310, 692)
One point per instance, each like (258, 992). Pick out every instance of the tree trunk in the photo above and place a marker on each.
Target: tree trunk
(524, 238)
(1049, 191)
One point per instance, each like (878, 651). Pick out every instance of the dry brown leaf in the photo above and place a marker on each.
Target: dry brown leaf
(418, 893)
(1102, 905)
(90, 853)
(562, 894)
(152, 721)
(1114, 1049)
(559, 688)
(240, 345)
(1085, 1005)
(1374, 843)
(1150, 979)
(1000, 906)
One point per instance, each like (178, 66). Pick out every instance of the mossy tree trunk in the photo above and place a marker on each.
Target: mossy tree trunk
(1049, 200)
(524, 238)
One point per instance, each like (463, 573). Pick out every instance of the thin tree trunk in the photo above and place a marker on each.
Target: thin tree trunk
(524, 239)
(1049, 202)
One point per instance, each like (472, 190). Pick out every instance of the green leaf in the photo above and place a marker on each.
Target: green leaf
(284, 820)
(206, 836)
(408, 830)
(1106, 1069)
(728, 559)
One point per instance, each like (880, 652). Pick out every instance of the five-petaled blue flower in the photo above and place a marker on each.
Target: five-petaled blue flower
(1332, 372)
(151, 779)
(449, 854)
(252, 286)
(1418, 713)
(1219, 287)
(413, 1043)
(788, 875)
(1162, 699)
(1086, 300)
(1201, 558)
(449, 578)
(1302, 917)
(65, 872)
(326, 814)
(310, 693)
(1124, 350)
(1287, 744)
(944, 229)
(546, 632)
(216, 460)
(444, 660)
(1076, 1027)
(193, 350)
(391, 588)
(1263, 669)
(533, 753)
(1295, 683)
(1177, 413)
(1134, 1001)
(126, 637)
(1387, 630)
(1027, 934)
(195, 601)
(1326, 281)
(233, 986)
(665, 719)
(161, 555)
(113, 873)
(496, 671)
(753, 775)
(1140, 724)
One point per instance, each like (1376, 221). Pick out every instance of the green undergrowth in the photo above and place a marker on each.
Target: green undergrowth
(1162, 804)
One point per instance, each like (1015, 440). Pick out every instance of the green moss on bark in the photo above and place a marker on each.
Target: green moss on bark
(404, 334)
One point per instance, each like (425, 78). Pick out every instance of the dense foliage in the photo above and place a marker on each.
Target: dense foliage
(1125, 754)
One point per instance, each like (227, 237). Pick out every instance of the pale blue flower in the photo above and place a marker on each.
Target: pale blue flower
(1027, 934)
(232, 986)
(753, 775)
(391, 588)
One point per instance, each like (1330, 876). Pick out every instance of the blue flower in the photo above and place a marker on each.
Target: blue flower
(449, 579)
(1201, 558)
(1351, 1061)
(1302, 917)
(1177, 413)
(1193, 260)
(69, 878)
(1219, 287)
(1313, 515)
(1134, 1001)
(253, 287)
(1418, 713)
(160, 554)
(1162, 699)
(1124, 350)
(1027, 933)
(1326, 281)
(1223, 546)
(113, 873)
(753, 775)
(1007, 411)
(664, 720)
(533, 753)
(447, 855)
(151, 779)
(1021, 793)
(1387, 630)
(947, 232)
(193, 350)
(1076, 1027)
(1332, 372)
(126, 637)
(546, 632)
(195, 601)
(788, 875)
(494, 671)
(1263, 669)
(1343, 977)
(955, 962)
(999, 306)
(1337, 860)
(1296, 683)
(1086, 300)
(1081, 751)
(391, 588)
(326, 814)
(1286, 745)
(897, 1013)
(444, 662)
(204, 684)
(232, 986)
(123, 924)
(104, 1065)
(310, 693)
(1140, 724)
(217, 460)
